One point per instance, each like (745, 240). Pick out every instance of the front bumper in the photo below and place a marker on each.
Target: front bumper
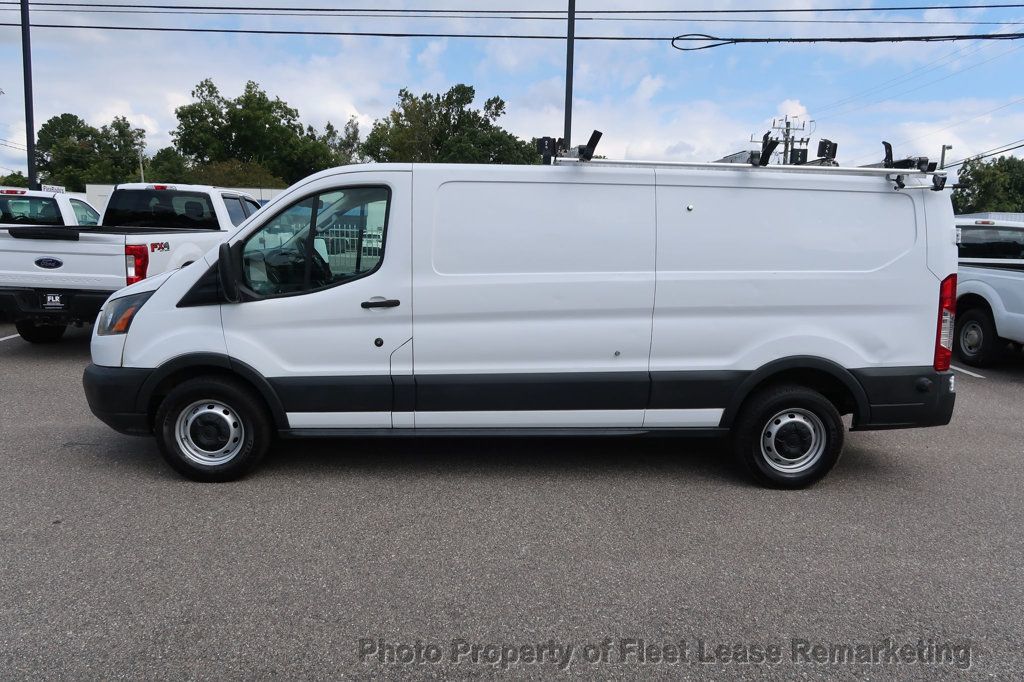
(906, 397)
(113, 395)
(77, 305)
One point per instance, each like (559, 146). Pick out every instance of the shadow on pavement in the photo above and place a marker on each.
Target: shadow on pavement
(75, 344)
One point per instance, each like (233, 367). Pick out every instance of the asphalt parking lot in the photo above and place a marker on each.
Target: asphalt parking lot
(113, 566)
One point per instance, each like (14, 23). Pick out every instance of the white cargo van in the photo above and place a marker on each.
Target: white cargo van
(578, 298)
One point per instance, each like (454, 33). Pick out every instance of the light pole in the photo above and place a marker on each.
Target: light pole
(942, 157)
(30, 124)
(570, 42)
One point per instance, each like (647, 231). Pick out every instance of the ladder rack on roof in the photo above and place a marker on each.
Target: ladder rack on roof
(896, 176)
(555, 152)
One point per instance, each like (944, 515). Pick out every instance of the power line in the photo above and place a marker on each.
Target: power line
(910, 75)
(509, 17)
(991, 152)
(953, 125)
(955, 72)
(715, 41)
(559, 13)
(691, 37)
(375, 34)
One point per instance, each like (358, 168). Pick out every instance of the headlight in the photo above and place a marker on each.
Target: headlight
(117, 315)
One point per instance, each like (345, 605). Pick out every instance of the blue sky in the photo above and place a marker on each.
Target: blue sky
(650, 101)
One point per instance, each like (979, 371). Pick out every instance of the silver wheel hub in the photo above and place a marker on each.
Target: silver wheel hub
(209, 432)
(971, 338)
(793, 441)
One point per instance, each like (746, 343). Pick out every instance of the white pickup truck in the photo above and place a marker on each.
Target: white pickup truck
(990, 290)
(52, 275)
(55, 209)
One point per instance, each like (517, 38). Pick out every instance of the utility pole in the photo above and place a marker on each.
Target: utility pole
(942, 157)
(570, 46)
(790, 143)
(30, 124)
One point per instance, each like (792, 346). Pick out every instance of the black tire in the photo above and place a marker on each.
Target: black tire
(40, 333)
(797, 456)
(975, 340)
(207, 399)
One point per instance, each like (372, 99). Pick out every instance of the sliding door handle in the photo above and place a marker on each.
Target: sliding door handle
(383, 303)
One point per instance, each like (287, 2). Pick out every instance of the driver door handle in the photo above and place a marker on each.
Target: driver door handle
(387, 303)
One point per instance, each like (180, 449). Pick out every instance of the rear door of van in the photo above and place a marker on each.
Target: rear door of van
(534, 293)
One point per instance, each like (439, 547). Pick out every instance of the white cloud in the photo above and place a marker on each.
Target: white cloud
(648, 87)
(792, 107)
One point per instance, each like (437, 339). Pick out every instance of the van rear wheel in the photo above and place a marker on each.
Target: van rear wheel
(40, 333)
(788, 436)
(212, 429)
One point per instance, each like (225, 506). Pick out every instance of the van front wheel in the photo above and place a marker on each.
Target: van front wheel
(788, 437)
(212, 429)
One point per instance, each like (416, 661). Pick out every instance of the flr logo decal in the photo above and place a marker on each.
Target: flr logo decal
(160, 246)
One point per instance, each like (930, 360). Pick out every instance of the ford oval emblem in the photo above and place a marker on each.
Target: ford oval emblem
(49, 263)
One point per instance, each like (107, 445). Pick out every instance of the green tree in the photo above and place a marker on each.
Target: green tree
(72, 153)
(66, 150)
(202, 124)
(235, 173)
(443, 128)
(168, 165)
(15, 179)
(254, 128)
(120, 148)
(996, 185)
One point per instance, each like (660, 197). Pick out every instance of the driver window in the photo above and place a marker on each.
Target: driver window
(347, 228)
(274, 258)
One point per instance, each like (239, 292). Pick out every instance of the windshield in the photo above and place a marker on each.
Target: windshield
(160, 208)
(21, 210)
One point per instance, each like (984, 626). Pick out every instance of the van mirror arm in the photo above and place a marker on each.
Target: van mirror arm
(227, 273)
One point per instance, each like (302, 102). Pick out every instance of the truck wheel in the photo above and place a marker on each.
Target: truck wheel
(212, 429)
(40, 333)
(976, 341)
(788, 436)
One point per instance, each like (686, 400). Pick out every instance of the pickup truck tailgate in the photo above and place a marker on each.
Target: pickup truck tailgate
(92, 261)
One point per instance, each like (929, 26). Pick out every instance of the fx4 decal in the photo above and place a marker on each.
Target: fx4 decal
(160, 246)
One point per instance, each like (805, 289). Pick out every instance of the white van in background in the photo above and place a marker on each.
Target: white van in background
(579, 298)
(990, 294)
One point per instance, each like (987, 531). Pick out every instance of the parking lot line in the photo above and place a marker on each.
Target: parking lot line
(966, 371)
(8, 338)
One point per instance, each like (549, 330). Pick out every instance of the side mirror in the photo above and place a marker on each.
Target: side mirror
(227, 273)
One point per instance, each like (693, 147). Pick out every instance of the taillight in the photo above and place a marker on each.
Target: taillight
(947, 319)
(136, 261)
